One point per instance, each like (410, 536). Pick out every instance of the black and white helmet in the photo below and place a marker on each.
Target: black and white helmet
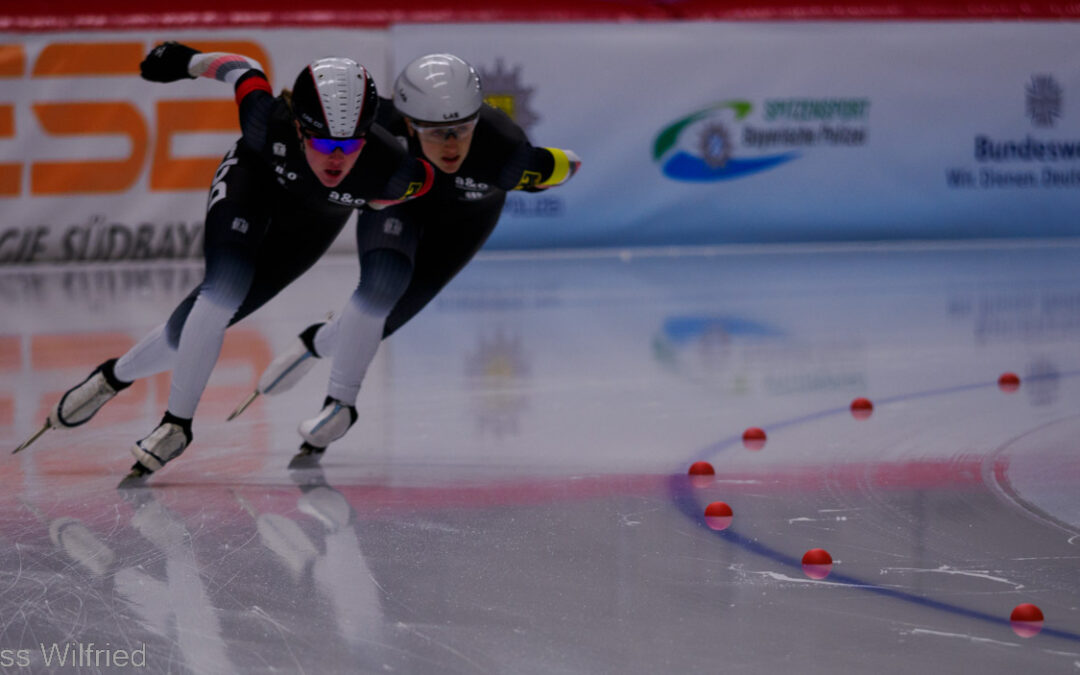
(335, 98)
(438, 89)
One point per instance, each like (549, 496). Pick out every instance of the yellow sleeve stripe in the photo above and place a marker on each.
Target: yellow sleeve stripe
(561, 171)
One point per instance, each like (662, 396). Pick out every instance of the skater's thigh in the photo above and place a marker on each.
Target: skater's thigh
(388, 229)
(295, 241)
(237, 219)
(446, 245)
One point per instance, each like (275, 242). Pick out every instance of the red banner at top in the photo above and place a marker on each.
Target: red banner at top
(135, 14)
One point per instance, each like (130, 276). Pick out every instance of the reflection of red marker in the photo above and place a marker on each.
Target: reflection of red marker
(861, 408)
(701, 474)
(753, 438)
(1026, 620)
(1009, 382)
(718, 515)
(817, 563)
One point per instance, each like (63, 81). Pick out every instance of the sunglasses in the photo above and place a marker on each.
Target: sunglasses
(327, 146)
(443, 132)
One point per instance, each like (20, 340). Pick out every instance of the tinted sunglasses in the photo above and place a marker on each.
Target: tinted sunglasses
(442, 132)
(327, 146)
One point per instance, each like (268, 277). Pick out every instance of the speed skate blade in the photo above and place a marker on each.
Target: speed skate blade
(37, 434)
(307, 458)
(136, 477)
(243, 406)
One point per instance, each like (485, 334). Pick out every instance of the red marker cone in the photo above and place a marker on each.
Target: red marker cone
(718, 515)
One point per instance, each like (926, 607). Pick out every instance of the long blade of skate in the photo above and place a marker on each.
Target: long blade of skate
(307, 458)
(136, 477)
(243, 406)
(37, 434)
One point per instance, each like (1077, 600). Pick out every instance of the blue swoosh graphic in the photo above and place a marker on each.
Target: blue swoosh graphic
(684, 166)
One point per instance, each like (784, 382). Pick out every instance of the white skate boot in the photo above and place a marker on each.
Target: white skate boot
(80, 403)
(162, 445)
(332, 422)
(286, 369)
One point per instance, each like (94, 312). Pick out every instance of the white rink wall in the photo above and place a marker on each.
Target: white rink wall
(690, 132)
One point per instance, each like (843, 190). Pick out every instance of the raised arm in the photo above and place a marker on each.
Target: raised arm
(172, 61)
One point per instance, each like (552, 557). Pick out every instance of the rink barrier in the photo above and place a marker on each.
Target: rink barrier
(776, 139)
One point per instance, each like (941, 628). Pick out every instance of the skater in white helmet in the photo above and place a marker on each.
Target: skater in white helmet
(479, 154)
(306, 160)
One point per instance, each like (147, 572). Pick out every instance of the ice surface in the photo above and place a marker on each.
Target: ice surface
(513, 498)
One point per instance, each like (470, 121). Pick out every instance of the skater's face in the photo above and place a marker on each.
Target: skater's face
(330, 159)
(444, 145)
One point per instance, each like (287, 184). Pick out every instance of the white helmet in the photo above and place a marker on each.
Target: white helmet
(437, 89)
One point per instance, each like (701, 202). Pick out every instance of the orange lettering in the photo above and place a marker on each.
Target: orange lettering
(10, 174)
(12, 60)
(175, 117)
(12, 64)
(94, 58)
(69, 119)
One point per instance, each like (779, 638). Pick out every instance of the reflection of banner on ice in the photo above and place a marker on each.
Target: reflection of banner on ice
(719, 351)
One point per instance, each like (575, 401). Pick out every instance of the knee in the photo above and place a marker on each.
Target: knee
(384, 276)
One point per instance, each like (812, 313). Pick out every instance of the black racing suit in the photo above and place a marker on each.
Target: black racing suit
(269, 218)
(456, 217)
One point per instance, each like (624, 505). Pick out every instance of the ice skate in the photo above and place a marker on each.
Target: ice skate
(162, 445)
(136, 477)
(80, 403)
(332, 422)
(286, 370)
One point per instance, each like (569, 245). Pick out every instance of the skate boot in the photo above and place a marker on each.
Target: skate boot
(320, 431)
(80, 403)
(164, 444)
(286, 370)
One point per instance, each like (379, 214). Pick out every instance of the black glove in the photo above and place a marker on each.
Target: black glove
(168, 62)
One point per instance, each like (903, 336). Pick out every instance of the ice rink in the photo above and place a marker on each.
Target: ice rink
(514, 497)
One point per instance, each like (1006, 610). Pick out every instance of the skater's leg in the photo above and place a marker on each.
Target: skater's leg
(387, 245)
(443, 251)
(150, 356)
(234, 231)
(383, 279)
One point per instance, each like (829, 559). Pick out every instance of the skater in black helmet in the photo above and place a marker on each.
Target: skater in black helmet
(306, 160)
(479, 154)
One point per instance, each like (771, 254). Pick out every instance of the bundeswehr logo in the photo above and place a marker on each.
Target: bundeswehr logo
(1044, 100)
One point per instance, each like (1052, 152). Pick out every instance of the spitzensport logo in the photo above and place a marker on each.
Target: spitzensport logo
(724, 141)
(700, 148)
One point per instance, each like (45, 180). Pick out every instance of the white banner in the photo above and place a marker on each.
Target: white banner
(98, 164)
(690, 133)
(760, 132)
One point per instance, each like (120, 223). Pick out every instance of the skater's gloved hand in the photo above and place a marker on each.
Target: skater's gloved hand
(168, 62)
(575, 161)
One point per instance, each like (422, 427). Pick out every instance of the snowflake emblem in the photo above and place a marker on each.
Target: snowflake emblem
(503, 89)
